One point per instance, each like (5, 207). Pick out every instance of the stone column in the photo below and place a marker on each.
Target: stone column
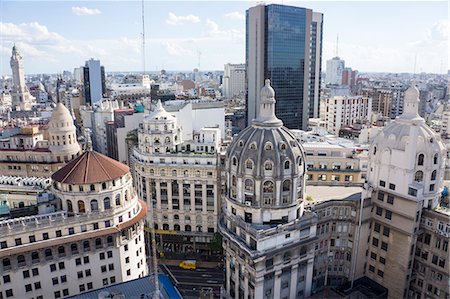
(309, 277)
(245, 286)
(203, 198)
(293, 288)
(277, 284)
(259, 287)
(158, 195)
(180, 195)
(169, 195)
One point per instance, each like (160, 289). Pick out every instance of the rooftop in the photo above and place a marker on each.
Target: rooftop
(325, 193)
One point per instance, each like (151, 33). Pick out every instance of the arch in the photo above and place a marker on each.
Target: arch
(433, 175)
(435, 159)
(35, 256)
(199, 228)
(98, 243)
(48, 253)
(118, 200)
(74, 248)
(299, 161)
(20, 259)
(6, 262)
(176, 227)
(106, 203)
(165, 226)
(268, 146)
(268, 192)
(94, 205)
(249, 164)
(268, 165)
(287, 164)
(110, 240)
(187, 228)
(249, 186)
(69, 206)
(241, 143)
(253, 146)
(233, 181)
(420, 159)
(282, 146)
(81, 206)
(86, 246)
(234, 161)
(418, 177)
(61, 250)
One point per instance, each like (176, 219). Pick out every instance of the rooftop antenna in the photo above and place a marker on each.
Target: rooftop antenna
(143, 38)
(337, 45)
(199, 54)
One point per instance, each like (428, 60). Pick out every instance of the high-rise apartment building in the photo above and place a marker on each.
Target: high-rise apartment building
(334, 71)
(93, 81)
(284, 44)
(21, 97)
(233, 80)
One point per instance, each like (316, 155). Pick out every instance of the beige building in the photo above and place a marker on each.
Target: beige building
(35, 152)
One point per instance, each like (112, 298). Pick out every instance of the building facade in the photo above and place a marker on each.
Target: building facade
(93, 239)
(180, 181)
(234, 80)
(334, 71)
(93, 81)
(284, 43)
(29, 153)
(21, 97)
(267, 236)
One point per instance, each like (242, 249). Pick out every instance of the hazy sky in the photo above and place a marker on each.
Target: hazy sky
(54, 36)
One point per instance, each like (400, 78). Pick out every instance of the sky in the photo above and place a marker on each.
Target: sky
(53, 36)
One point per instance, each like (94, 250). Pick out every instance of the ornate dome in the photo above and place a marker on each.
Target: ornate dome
(265, 163)
(60, 117)
(159, 114)
(62, 133)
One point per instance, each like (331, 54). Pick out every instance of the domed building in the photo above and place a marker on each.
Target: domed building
(404, 182)
(267, 236)
(39, 152)
(94, 238)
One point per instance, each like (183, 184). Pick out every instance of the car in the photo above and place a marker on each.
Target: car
(188, 264)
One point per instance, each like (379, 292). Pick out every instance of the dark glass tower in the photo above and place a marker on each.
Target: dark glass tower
(284, 44)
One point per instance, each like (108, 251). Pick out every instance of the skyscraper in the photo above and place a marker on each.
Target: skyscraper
(284, 44)
(335, 68)
(93, 81)
(21, 97)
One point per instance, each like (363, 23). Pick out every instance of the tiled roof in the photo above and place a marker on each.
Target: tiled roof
(89, 168)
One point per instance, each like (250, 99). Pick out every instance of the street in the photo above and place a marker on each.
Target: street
(191, 282)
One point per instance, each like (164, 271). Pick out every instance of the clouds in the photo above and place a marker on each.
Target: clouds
(439, 31)
(235, 15)
(213, 30)
(176, 49)
(175, 20)
(84, 11)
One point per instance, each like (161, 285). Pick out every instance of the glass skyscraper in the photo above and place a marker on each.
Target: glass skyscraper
(284, 44)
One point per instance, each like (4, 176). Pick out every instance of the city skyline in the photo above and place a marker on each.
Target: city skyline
(373, 36)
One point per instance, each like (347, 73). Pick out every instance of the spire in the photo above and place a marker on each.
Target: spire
(266, 115)
(411, 103)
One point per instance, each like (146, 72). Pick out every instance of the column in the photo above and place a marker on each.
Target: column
(293, 284)
(169, 195)
(227, 272)
(308, 277)
(192, 198)
(259, 287)
(236, 279)
(277, 284)
(204, 198)
(158, 195)
(246, 286)
(180, 195)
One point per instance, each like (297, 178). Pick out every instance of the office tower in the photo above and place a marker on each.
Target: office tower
(93, 81)
(89, 234)
(335, 68)
(21, 97)
(404, 182)
(284, 44)
(233, 80)
(268, 238)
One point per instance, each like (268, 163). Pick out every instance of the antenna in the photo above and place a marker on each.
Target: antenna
(337, 45)
(199, 54)
(143, 38)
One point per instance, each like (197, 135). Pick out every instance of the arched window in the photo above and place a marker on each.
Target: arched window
(268, 146)
(110, 240)
(21, 260)
(420, 159)
(234, 161)
(286, 186)
(249, 187)
(287, 165)
(299, 161)
(118, 200)
(167, 139)
(433, 175)
(233, 181)
(176, 227)
(418, 177)
(6, 263)
(249, 164)
(253, 146)
(98, 243)
(94, 205)
(435, 159)
(268, 192)
(81, 207)
(107, 203)
(61, 251)
(69, 206)
(282, 146)
(48, 253)
(176, 217)
(165, 226)
(241, 143)
(86, 246)
(34, 257)
(74, 248)
(92, 187)
(187, 228)
(199, 228)
(268, 165)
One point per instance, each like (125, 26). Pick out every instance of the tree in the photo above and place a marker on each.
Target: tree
(216, 243)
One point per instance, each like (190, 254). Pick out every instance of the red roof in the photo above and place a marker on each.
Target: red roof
(89, 168)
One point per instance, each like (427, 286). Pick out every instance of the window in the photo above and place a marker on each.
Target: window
(35, 271)
(86, 259)
(102, 255)
(26, 273)
(435, 159)
(382, 260)
(384, 246)
(9, 293)
(388, 215)
(78, 261)
(377, 227)
(63, 278)
(57, 294)
(433, 175)
(107, 203)
(382, 183)
(94, 205)
(412, 191)
(61, 266)
(109, 254)
(28, 288)
(18, 241)
(386, 231)
(87, 272)
(55, 280)
(80, 274)
(380, 273)
(286, 165)
(371, 268)
(380, 196)
(373, 255)
(81, 288)
(111, 267)
(3, 245)
(379, 211)
(249, 164)
(37, 285)
(103, 268)
(375, 242)
(52, 268)
(268, 165)
(390, 199)
(269, 263)
(418, 177)
(420, 159)
(33, 238)
(6, 279)
(392, 186)
(431, 187)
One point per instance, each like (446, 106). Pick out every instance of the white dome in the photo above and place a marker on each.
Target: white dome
(159, 114)
(60, 116)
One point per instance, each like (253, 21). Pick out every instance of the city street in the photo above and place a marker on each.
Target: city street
(191, 282)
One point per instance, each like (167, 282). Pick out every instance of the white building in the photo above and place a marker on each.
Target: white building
(21, 97)
(234, 80)
(181, 177)
(94, 239)
(341, 111)
(334, 70)
(268, 238)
